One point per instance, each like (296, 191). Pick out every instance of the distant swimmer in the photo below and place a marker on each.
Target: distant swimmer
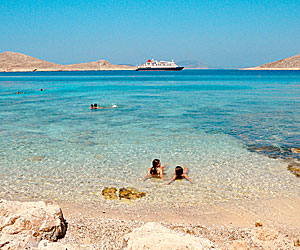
(156, 171)
(18, 92)
(42, 89)
(180, 173)
(95, 106)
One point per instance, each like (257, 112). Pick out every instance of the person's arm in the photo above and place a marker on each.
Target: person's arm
(161, 173)
(148, 174)
(188, 178)
(173, 179)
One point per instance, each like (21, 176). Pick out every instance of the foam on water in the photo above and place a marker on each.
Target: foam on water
(54, 147)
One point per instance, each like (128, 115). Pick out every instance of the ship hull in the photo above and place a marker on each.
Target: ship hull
(160, 69)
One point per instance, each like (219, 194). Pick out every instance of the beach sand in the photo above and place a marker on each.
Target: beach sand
(227, 225)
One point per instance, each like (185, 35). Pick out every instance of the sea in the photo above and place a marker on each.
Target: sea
(234, 129)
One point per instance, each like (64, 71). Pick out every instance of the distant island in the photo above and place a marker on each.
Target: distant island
(192, 64)
(290, 63)
(17, 62)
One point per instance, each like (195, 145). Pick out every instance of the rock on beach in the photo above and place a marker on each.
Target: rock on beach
(154, 236)
(294, 167)
(24, 224)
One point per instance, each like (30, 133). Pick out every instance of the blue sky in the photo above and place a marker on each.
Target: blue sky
(222, 34)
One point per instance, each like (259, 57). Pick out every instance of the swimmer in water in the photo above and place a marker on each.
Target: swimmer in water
(180, 173)
(95, 106)
(156, 171)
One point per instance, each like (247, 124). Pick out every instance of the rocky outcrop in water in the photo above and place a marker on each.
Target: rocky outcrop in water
(130, 193)
(110, 193)
(276, 152)
(295, 150)
(294, 167)
(24, 224)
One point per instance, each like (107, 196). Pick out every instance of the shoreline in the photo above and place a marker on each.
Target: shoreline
(75, 70)
(256, 68)
(276, 212)
(227, 225)
(261, 224)
(133, 69)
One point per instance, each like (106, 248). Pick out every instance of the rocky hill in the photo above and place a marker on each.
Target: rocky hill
(17, 62)
(290, 63)
(98, 65)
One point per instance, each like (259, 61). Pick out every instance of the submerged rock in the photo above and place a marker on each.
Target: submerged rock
(294, 167)
(276, 152)
(110, 193)
(37, 158)
(130, 193)
(98, 157)
(295, 150)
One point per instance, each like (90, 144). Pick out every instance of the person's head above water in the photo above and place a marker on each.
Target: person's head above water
(156, 163)
(95, 105)
(92, 106)
(179, 171)
(156, 170)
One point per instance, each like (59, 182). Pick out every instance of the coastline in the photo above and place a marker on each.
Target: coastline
(44, 225)
(65, 70)
(134, 69)
(275, 212)
(258, 68)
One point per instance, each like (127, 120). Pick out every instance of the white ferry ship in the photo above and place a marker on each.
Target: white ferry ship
(158, 65)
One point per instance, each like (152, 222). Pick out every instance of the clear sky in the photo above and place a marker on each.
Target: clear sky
(222, 34)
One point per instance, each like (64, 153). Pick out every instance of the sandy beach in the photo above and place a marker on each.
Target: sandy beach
(227, 225)
(260, 224)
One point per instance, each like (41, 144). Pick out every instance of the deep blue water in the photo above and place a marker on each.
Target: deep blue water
(229, 119)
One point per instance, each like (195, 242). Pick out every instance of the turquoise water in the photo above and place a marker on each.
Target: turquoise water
(233, 129)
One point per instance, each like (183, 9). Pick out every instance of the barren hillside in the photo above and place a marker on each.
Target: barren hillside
(290, 63)
(17, 62)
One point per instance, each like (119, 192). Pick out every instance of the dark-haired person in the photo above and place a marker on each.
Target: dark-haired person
(95, 106)
(180, 173)
(156, 171)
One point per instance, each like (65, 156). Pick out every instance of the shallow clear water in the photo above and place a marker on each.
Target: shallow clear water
(54, 147)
